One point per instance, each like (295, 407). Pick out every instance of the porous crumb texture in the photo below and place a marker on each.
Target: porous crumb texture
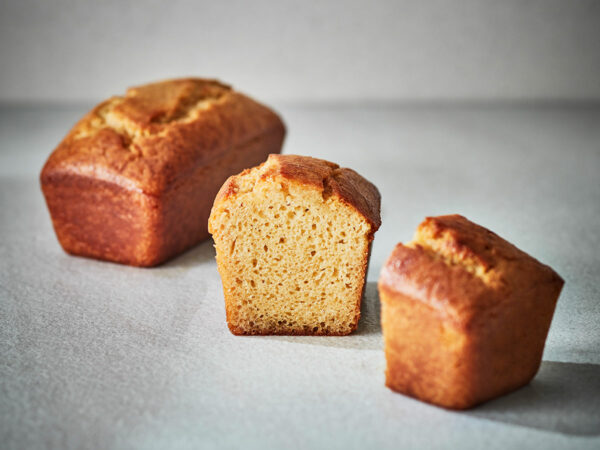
(292, 256)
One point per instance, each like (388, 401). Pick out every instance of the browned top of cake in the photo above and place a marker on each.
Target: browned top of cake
(459, 268)
(328, 177)
(157, 133)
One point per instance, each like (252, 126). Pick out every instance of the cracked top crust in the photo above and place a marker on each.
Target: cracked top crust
(325, 176)
(460, 268)
(157, 133)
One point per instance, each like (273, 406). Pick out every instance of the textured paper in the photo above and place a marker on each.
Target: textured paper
(98, 355)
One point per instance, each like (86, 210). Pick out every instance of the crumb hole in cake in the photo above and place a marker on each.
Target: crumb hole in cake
(307, 277)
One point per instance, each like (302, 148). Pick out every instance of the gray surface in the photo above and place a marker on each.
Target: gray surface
(99, 355)
(294, 50)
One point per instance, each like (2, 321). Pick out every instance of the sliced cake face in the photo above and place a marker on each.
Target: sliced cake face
(465, 314)
(292, 254)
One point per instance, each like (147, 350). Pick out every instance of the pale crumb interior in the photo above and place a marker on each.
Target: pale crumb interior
(291, 261)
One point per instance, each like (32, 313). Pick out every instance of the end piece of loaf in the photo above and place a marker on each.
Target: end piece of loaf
(133, 182)
(465, 314)
(293, 240)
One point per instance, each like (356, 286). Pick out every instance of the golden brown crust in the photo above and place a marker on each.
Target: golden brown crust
(453, 292)
(159, 133)
(173, 143)
(328, 177)
(469, 268)
(465, 313)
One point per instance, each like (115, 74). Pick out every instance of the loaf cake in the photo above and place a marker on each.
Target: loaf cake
(293, 240)
(133, 182)
(465, 314)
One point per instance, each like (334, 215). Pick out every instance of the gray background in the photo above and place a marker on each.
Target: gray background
(305, 51)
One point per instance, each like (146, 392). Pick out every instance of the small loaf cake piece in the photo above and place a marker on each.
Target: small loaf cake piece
(293, 239)
(465, 314)
(133, 182)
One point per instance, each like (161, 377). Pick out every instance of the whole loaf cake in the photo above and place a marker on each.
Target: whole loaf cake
(465, 313)
(134, 181)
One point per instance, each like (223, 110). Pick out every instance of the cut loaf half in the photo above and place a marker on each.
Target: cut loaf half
(293, 239)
